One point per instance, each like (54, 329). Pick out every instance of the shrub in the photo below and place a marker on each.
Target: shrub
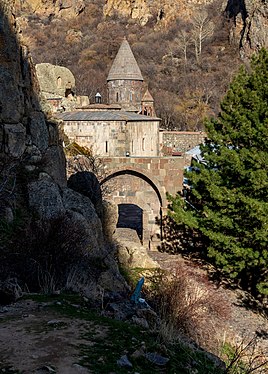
(189, 304)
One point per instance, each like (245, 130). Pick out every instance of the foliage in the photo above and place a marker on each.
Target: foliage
(244, 358)
(228, 204)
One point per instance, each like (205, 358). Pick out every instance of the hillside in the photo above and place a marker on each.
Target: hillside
(187, 50)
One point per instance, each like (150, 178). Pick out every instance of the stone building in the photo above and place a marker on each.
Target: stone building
(113, 133)
(126, 125)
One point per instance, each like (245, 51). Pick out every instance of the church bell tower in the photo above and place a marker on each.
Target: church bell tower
(125, 81)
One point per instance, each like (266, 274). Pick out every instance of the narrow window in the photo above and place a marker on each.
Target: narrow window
(59, 82)
(106, 146)
(132, 147)
(130, 96)
(143, 144)
(117, 97)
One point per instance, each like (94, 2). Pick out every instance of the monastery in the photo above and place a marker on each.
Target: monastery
(144, 161)
(126, 125)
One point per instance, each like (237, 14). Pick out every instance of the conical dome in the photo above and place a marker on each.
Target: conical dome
(125, 65)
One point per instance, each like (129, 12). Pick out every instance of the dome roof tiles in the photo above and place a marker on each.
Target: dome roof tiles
(125, 65)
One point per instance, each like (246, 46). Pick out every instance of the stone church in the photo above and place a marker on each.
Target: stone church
(127, 124)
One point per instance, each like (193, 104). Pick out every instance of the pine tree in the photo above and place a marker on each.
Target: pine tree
(229, 196)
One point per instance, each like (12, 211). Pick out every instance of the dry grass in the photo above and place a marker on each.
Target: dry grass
(190, 305)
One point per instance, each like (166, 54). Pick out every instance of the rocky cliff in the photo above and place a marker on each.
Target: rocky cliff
(145, 10)
(48, 8)
(249, 18)
(48, 231)
(250, 24)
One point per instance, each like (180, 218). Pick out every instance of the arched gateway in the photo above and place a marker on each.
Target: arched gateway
(139, 198)
(144, 182)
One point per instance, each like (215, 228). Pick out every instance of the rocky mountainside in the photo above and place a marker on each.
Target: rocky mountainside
(49, 233)
(183, 47)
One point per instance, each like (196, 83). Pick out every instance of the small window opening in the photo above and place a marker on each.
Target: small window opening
(143, 144)
(106, 146)
(117, 97)
(98, 98)
(59, 82)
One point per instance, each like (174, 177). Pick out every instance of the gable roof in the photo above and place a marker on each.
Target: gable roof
(147, 96)
(125, 65)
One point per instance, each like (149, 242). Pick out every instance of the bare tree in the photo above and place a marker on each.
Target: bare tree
(202, 29)
(183, 41)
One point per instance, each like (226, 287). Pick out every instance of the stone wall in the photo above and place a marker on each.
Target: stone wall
(115, 138)
(179, 141)
(127, 93)
(144, 182)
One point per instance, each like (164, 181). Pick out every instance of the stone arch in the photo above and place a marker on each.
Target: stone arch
(159, 191)
(140, 174)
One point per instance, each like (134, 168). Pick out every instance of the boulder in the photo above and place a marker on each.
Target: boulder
(45, 198)
(84, 208)
(55, 164)
(10, 291)
(55, 81)
(15, 137)
(130, 251)
(87, 184)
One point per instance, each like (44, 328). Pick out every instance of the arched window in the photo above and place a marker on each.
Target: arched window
(59, 82)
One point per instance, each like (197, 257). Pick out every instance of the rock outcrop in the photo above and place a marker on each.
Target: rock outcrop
(49, 8)
(59, 225)
(130, 251)
(250, 24)
(162, 11)
(55, 81)
(249, 18)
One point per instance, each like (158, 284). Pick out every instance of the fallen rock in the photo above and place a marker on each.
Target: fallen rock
(156, 359)
(124, 362)
(10, 291)
(130, 251)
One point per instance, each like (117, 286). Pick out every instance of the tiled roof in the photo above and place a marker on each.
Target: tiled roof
(104, 116)
(125, 65)
(147, 96)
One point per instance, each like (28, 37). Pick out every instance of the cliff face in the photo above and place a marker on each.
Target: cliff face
(250, 24)
(59, 229)
(48, 8)
(144, 10)
(250, 21)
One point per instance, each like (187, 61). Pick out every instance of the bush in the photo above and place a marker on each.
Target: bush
(189, 304)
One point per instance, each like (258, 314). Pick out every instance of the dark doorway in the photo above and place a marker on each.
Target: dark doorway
(130, 216)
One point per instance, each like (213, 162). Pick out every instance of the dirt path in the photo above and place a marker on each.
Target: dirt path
(33, 341)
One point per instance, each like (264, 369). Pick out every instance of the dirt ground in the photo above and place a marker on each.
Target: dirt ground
(34, 339)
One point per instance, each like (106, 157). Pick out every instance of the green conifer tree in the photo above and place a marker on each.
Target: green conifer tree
(229, 196)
